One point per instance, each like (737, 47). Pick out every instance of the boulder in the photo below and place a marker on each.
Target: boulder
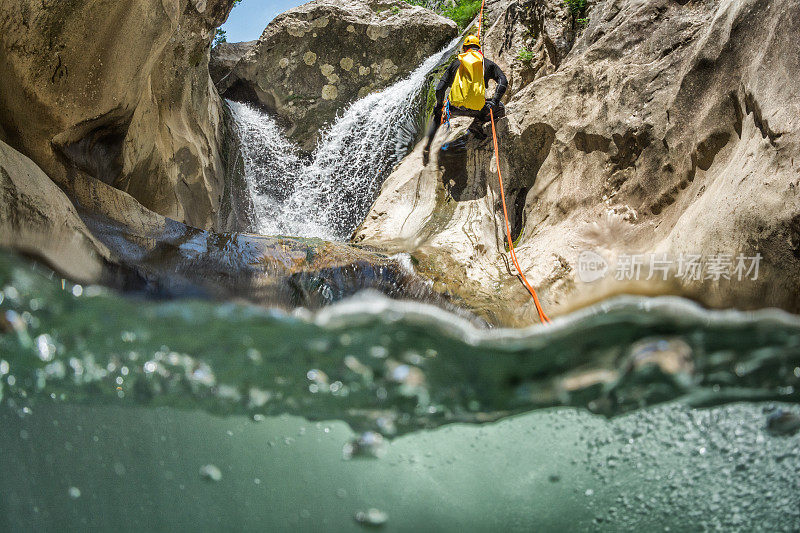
(37, 218)
(224, 57)
(666, 131)
(120, 92)
(314, 60)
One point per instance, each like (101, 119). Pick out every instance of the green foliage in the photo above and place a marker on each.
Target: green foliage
(578, 10)
(575, 6)
(463, 12)
(220, 37)
(395, 10)
(433, 5)
(524, 55)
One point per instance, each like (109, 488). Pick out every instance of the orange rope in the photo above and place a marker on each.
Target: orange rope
(542, 315)
(480, 20)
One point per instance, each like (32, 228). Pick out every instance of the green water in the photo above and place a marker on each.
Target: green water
(128, 414)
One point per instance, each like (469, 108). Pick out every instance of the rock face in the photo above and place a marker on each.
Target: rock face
(119, 92)
(37, 218)
(666, 130)
(315, 59)
(224, 57)
(529, 40)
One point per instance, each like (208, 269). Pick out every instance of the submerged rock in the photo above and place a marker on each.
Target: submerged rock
(211, 472)
(783, 422)
(659, 140)
(368, 444)
(315, 59)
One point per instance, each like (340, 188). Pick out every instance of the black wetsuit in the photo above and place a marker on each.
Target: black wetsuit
(491, 72)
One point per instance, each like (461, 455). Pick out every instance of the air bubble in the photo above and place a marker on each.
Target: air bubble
(210, 472)
(371, 517)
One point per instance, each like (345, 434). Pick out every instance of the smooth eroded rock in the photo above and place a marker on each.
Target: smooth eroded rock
(664, 129)
(120, 92)
(37, 218)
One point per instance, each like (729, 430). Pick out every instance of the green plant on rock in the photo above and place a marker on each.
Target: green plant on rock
(575, 6)
(525, 55)
(220, 37)
(578, 10)
(433, 5)
(463, 12)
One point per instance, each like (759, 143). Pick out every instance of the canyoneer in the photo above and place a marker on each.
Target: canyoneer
(467, 78)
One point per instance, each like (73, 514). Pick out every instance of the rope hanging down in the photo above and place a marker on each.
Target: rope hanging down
(542, 315)
(480, 19)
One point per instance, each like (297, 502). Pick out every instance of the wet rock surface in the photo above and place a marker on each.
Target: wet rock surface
(112, 239)
(165, 258)
(313, 60)
(632, 131)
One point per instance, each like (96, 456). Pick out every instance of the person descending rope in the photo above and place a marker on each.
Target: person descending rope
(467, 78)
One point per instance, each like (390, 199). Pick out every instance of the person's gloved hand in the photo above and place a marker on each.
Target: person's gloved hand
(494, 107)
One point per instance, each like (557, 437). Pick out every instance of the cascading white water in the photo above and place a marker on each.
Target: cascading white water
(328, 195)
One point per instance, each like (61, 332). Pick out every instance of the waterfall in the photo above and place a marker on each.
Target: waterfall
(329, 194)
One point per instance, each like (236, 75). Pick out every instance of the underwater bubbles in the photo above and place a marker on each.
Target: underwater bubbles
(211, 472)
(369, 444)
(371, 517)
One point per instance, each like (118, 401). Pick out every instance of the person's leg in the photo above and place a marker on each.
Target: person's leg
(484, 116)
(432, 129)
(481, 118)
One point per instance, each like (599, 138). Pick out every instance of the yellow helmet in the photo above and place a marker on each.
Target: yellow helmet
(472, 40)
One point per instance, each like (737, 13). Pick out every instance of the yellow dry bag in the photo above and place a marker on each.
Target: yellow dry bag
(469, 88)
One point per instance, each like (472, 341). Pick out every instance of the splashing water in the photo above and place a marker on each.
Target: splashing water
(105, 399)
(329, 195)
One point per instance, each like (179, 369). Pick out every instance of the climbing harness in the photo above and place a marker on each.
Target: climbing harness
(542, 316)
(446, 119)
